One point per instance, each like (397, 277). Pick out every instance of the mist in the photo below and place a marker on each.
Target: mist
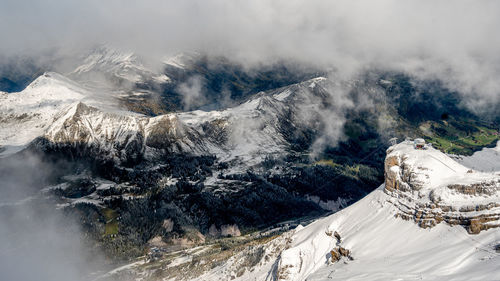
(192, 92)
(38, 241)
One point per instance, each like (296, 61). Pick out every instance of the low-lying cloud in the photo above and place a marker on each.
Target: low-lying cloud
(192, 92)
(41, 244)
(37, 241)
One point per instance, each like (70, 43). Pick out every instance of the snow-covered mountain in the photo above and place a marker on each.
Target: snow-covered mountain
(68, 114)
(376, 238)
(122, 67)
(429, 188)
(30, 113)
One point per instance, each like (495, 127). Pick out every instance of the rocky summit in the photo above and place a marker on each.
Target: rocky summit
(429, 187)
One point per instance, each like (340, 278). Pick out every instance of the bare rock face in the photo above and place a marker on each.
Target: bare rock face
(339, 252)
(123, 137)
(477, 189)
(391, 175)
(230, 230)
(428, 188)
(226, 230)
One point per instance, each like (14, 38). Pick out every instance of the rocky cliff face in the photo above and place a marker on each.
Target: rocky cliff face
(120, 137)
(428, 187)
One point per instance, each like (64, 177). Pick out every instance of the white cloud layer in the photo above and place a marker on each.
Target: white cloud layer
(452, 40)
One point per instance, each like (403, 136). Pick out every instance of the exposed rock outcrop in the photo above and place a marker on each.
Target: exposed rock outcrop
(339, 252)
(428, 187)
(227, 230)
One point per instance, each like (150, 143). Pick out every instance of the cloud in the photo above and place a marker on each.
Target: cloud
(454, 41)
(192, 92)
(38, 242)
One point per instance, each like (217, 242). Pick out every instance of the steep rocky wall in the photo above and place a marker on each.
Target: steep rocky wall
(470, 199)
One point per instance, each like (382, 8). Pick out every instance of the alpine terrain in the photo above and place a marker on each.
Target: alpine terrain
(227, 140)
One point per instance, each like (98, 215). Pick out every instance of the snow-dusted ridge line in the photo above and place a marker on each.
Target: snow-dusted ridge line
(105, 60)
(181, 60)
(66, 113)
(28, 114)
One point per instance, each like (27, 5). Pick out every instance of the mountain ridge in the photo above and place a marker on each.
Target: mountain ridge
(258, 166)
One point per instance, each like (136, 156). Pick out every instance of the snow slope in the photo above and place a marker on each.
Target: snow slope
(386, 247)
(488, 159)
(28, 114)
(382, 244)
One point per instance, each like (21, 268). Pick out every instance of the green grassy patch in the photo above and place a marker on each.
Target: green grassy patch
(461, 137)
(356, 171)
(111, 226)
(327, 162)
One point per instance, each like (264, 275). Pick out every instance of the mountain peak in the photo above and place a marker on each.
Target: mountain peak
(105, 57)
(109, 63)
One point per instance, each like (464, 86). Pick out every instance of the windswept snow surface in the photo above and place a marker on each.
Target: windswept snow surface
(487, 160)
(389, 248)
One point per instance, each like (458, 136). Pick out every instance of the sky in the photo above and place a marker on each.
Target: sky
(455, 41)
